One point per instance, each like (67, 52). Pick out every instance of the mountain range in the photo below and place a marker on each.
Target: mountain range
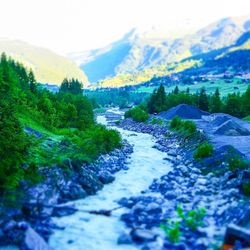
(47, 65)
(138, 51)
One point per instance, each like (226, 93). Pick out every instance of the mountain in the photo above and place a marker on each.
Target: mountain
(47, 65)
(138, 50)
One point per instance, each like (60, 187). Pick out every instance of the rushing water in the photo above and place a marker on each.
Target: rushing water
(97, 232)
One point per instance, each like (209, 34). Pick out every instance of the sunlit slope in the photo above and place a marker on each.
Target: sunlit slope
(47, 65)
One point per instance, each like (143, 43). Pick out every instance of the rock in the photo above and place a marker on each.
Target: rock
(124, 239)
(142, 235)
(153, 208)
(235, 233)
(105, 177)
(89, 181)
(33, 241)
(63, 210)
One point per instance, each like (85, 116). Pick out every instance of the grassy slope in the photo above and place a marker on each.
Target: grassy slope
(225, 88)
(47, 66)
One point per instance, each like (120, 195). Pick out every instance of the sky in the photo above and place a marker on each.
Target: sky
(66, 26)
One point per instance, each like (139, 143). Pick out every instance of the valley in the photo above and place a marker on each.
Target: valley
(139, 144)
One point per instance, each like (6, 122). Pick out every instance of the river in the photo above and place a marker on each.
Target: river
(97, 232)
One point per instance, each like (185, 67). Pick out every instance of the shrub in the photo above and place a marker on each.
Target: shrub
(236, 163)
(246, 189)
(172, 231)
(156, 121)
(186, 128)
(191, 219)
(204, 150)
(175, 122)
(137, 114)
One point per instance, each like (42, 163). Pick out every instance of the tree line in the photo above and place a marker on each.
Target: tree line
(235, 104)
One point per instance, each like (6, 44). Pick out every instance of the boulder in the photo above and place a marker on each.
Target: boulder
(142, 235)
(236, 234)
(33, 241)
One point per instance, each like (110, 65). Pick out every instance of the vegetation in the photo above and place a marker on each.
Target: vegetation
(237, 163)
(115, 97)
(58, 126)
(246, 188)
(137, 114)
(191, 219)
(172, 230)
(157, 101)
(185, 128)
(204, 150)
(234, 104)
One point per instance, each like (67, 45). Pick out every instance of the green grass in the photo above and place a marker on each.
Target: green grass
(225, 88)
(204, 150)
(247, 118)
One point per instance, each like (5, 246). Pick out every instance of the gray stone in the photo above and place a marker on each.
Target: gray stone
(33, 241)
(142, 235)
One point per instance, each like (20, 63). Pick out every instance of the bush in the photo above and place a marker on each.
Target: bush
(246, 189)
(204, 150)
(191, 220)
(175, 122)
(137, 114)
(236, 163)
(186, 128)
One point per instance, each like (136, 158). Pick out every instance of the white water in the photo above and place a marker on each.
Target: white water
(97, 232)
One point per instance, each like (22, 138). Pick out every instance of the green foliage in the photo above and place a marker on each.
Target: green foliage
(157, 101)
(65, 122)
(247, 118)
(185, 128)
(233, 105)
(172, 231)
(137, 114)
(203, 103)
(215, 103)
(237, 163)
(246, 189)
(157, 121)
(204, 150)
(72, 86)
(191, 219)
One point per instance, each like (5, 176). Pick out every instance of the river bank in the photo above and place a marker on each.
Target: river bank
(26, 222)
(186, 185)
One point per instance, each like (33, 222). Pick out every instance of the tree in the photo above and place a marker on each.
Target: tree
(246, 102)
(72, 86)
(157, 101)
(203, 100)
(233, 105)
(32, 82)
(216, 103)
(176, 90)
(13, 142)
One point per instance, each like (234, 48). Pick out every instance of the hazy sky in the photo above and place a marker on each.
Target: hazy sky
(76, 25)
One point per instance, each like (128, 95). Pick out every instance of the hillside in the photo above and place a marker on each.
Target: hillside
(138, 51)
(47, 66)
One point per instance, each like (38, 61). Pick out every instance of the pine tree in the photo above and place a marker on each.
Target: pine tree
(216, 103)
(32, 82)
(233, 105)
(176, 90)
(203, 100)
(246, 102)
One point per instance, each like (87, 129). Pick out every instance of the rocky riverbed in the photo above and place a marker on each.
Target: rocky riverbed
(27, 223)
(191, 186)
